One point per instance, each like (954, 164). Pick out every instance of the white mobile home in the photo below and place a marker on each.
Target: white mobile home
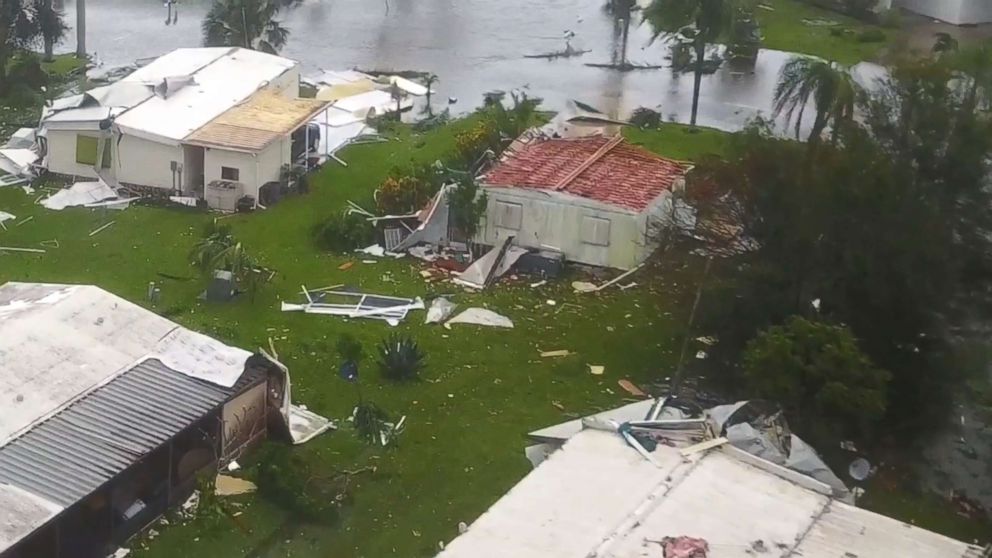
(190, 118)
(597, 200)
(958, 12)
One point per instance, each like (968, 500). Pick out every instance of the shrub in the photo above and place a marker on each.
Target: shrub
(370, 422)
(820, 376)
(399, 195)
(467, 204)
(400, 358)
(349, 348)
(289, 481)
(871, 36)
(344, 232)
(645, 118)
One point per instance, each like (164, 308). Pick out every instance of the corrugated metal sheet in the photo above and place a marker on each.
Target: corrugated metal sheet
(74, 452)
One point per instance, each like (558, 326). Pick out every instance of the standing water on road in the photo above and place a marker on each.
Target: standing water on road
(474, 46)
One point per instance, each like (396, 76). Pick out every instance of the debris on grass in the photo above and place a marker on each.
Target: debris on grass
(480, 316)
(4, 216)
(101, 228)
(390, 309)
(631, 388)
(15, 249)
(583, 287)
(540, 283)
(554, 354)
(345, 266)
(558, 405)
(233, 486)
(440, 310)
(596, 369)
(25, 220)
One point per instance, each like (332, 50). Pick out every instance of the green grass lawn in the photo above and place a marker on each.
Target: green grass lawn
(785, 27)
(483, 391)
(679, 141)
(484, 388)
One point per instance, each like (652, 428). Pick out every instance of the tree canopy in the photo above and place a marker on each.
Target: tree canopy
(817, 370)
(887, 231)
(246, 23)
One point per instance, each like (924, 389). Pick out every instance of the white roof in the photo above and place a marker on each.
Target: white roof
(222, 79)
(180, 62)
(21, 512)
(599, 498)
(58, 342)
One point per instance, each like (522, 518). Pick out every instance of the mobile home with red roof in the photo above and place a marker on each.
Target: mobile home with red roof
(598, 200)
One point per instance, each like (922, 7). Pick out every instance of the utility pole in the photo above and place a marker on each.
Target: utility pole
(80, 28)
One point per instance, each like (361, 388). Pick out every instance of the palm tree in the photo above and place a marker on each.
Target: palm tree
(51, 27)
(702, 22)
(245, 23)
(80, 28)
(831, 88)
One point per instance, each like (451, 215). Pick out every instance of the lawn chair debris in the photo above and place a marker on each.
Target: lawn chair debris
(389, 309)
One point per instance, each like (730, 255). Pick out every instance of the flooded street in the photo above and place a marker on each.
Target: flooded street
(474, 46)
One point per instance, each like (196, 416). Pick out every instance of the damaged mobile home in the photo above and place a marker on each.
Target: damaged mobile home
(634, 482)
(597, 200)
(110, 412)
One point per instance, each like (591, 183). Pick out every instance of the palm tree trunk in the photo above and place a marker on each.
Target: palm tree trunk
(700, 48)
(49, 40)
(80, 28)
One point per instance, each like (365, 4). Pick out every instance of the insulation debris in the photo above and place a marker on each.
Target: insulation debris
(440, 310)
(481, 316)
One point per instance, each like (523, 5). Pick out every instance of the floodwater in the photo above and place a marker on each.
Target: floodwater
(474, 46)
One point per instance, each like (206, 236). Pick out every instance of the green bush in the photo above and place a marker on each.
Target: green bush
(645, 118)
(871, 36)
(400, 358)
(370, 422)
(344, 232)
(288, 481)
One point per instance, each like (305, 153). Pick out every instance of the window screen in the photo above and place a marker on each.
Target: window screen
(509, 215)
(595, 231)
(230, 173)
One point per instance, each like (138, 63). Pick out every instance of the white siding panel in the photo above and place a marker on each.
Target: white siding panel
(551, 220)
(214, 159)
(62, 153)
(146, 163)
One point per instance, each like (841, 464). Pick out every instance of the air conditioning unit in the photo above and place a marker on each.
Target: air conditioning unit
(223, 195)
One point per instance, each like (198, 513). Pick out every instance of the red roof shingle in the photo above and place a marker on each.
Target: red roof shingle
(619, 174)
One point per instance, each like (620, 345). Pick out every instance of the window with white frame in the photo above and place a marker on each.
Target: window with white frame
(595, 231)
(509, 215)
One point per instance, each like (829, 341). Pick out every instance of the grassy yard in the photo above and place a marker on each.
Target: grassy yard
(679, 141)
(483, 391)
(795, 26)
(466, 421)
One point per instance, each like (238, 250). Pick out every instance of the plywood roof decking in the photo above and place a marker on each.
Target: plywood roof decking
(254, 124)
